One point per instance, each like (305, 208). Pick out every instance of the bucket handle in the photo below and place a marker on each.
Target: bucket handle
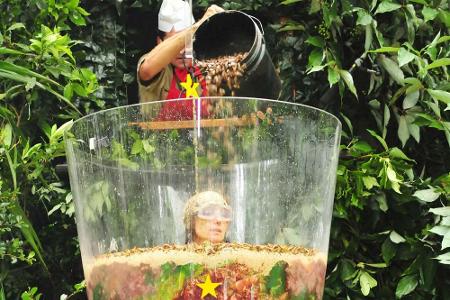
(259, 22)
(251, 17)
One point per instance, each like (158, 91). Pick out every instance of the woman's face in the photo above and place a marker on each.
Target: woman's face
(211, 224)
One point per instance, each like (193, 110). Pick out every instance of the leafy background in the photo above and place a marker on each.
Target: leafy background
(386, 65)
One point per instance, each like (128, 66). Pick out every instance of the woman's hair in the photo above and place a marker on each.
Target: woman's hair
(193, 205)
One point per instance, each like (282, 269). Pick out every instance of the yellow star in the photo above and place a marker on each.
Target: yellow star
(208, 287)
(190, 87)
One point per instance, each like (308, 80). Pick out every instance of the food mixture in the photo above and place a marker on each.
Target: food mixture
(223, 74)
(237, 271)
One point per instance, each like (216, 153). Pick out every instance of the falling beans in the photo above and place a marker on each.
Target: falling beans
(223, 74)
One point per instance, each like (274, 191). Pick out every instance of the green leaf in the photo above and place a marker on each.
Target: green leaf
(412, 81)
(370, 182)
(378, 265)
(292, 27)
(378, 34)
(403, 131)
(411, 20)
(316, 69)
(4, 50)
(83, 11)
(31, 150)
(379, 138)
(30, 84)
(363, 147)
(382, 203)
(315, 58)
(348, 123)
(276, 280)
(438, 63)
(388, 250)
(445, 256)
(6, 136)
(288, 2)
(61, 130)
(392, 176)
(333, 76)
(348, 271)
(348, 79)
(446, 241)
(429, 13)
(77, 18)
(148, 148)
(368, 38)
(441, 211)
(443, 39)
(404, 57)
(15, 26)
(137, 147)
(414, 129)
(29, 233)
(364, 18)
(411, 99)
(386, 118)
(79, 89)
(366, 282)
(445, 221)
(68, 91)
(387, 6)
(392, 68)
(396, 238)
(55, 208)
(316, 41)
(440, 230)
(423, 2)
(315, 6)
(385, 50)
(397, 153)
(406, 285)
(428, 195)
(6, 66)
(440, 95)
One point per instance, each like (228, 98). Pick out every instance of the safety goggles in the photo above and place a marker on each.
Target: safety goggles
(214, 212)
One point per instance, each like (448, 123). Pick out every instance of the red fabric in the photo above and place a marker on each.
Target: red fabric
(182, 109)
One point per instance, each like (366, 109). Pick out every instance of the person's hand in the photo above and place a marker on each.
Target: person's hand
(211, 11)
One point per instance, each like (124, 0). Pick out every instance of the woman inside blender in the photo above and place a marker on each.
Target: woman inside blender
(207, 217)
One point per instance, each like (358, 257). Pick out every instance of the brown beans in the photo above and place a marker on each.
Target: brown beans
(223, 74)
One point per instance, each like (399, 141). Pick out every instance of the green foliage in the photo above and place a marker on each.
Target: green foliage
(276, 280)
(40, 85)
(31, 294)
(172, 279)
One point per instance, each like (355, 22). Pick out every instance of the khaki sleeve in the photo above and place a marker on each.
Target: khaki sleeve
(155, 89)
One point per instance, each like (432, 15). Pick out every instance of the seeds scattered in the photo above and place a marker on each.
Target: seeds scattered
(208, 248)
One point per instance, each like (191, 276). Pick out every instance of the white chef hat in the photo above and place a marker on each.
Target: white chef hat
(175, 14)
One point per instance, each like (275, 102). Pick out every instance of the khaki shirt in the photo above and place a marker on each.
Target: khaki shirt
(156, 89)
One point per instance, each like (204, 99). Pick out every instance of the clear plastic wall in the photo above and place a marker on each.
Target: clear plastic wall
(234, 204)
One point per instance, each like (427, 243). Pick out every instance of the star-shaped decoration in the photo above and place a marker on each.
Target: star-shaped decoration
(208, 287)
(190, 87)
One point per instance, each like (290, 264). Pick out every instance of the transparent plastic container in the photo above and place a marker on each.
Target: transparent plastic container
(235, 204)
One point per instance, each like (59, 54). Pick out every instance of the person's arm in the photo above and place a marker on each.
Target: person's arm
(163, 53)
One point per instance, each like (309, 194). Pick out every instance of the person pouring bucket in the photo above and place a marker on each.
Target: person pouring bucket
(207, 216)
(162, 71)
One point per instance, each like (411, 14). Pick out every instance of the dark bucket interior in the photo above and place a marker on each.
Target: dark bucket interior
(224, 34)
